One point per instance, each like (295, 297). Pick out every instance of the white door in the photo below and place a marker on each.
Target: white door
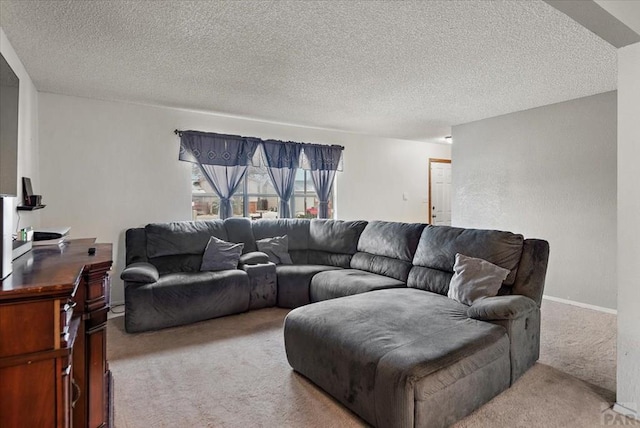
(440, 192)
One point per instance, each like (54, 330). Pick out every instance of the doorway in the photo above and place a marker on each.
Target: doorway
(440, 192)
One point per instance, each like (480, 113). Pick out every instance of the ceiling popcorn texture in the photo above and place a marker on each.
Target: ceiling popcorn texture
(405, 70)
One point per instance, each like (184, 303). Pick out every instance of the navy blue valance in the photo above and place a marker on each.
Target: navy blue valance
(216, 149)
(209, 148)
(322, 158)
(280, 154)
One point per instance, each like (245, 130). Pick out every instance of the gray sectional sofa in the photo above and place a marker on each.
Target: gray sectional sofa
(372, 323)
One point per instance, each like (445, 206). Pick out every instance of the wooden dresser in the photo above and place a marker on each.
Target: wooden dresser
(53, 337)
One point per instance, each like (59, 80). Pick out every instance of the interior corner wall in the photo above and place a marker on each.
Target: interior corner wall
(28, 161)
(109, 166)
(548, 173)
(628, 384)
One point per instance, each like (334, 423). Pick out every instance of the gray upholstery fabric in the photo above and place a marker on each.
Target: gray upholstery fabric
(439, 244)
(296, 229)
(501, 308)
(220, 255)
(140, 272)
(262, 283)
(345, 282)
(326, 258)
(136, 245)
(393, 268)
(300, 257)
(459, 399)
(532, 270)
(183, 298)
(475, 279)
(333, 242)
(253, 258)
(520, 316)
(390, 239)
(182, 237)
(277, 248)
(239, 230)
(387, 248)
(435, 255)
(335, 236)
(428, 279)
(524, 341)
(378, 352)
(177, 263)
(294, 281)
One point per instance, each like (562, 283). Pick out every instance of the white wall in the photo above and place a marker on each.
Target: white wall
(628, 388)
(547, 173)
(28, 165)
(108, 166)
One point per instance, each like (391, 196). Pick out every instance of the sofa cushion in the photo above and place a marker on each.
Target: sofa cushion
(220, 255)
(387, 248)
(177, 263)
(182, 237)
(136, 245)
(297, 230)
(276, 248)
(333, 242)
(474, 279)
(435, 255)
(377, 352)
(183, 298)
(335, 236)
(345, 282)
(239, 230)
(294, 282)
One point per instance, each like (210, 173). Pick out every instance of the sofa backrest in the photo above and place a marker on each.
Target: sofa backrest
(178, 246)
(136, 245)
(297, 231)
(239, 229)
(435, 256)
(333, 242)
(387, 248)
(532, 270)
(315, 241)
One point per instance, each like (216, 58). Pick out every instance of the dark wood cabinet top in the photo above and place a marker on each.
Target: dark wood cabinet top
(53, 271)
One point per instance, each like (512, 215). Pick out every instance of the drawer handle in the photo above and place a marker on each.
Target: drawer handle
(76, 393)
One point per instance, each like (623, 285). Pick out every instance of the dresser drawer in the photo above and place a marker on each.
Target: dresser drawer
(29, 327)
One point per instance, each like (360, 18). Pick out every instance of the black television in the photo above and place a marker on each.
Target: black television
(9, 94)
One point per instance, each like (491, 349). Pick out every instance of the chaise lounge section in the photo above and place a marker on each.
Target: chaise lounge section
(413, 357)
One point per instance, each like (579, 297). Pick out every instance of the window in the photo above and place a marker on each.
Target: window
(256, 198)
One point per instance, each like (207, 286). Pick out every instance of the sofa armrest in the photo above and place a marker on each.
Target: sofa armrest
(253, 258)
(520, 317)
(140, 272)
(501, 308)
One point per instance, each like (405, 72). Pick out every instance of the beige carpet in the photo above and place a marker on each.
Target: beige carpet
(232, 372)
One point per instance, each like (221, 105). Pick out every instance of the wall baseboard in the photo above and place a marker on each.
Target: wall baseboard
(623, 410)
(581, 305)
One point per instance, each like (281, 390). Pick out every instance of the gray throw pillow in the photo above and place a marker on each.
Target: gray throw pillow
(474, 279)
(220, 255)
(277, 248)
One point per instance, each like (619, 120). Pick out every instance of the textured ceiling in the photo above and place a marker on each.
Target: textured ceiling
(400, 69)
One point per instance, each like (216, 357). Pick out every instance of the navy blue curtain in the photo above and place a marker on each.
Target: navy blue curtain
(282, 159)
(223, 160)
(323, 161)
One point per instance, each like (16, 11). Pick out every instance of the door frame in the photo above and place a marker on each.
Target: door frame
(429, 208)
